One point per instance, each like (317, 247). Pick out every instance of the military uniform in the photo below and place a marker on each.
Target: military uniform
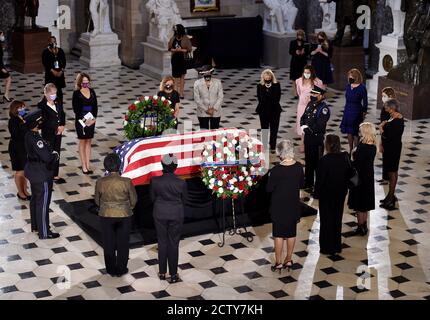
(39, 171)
(314, 123)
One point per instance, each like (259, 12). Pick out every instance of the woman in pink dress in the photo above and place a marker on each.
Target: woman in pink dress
(304, 87)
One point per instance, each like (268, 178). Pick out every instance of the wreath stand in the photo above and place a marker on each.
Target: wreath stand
(236, 229)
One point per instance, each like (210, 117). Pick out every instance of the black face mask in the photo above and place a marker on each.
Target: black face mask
(351, 80)
(314, 99)
(208, 78)
(268, 81)
(51, 45)
(321, 41)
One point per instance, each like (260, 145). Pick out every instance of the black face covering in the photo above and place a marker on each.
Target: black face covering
(268, 81)
(321, 41)
(351, 80)
(208, 78)
(314, 99)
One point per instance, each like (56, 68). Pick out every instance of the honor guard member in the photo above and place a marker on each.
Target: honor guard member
(314, 123)
(39, 170)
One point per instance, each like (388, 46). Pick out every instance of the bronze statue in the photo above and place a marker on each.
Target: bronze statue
(26, 8)
(416, 70)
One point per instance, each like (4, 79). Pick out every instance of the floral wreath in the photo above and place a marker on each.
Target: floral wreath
(232, 166)
(149, 116)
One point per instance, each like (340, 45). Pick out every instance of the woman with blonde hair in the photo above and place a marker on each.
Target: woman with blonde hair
(355, 107)
(362, 198)
(269, 106)
(322, 53)
(168, 91)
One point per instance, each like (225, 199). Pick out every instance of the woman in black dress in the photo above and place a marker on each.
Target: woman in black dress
(285, 182)
(299, 58)
(321, 58)
(168, 91)
(4, 74)
(54, 122)
(331, 188)
(85, 107)
(17, 152)
(269, 106)
(362, 198)
(179, 45)
(54, 62)
(392, 132)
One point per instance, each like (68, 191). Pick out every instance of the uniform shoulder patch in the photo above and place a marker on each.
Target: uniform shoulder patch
(40, 144)
(325, 111)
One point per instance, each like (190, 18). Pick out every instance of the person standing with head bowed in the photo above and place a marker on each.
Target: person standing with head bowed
(322, 53)
(313, 124)
(355, 108)
(168, 91)
(285, 182)
(299, 52)
(331, 188)
(116, 197)
(4, 74)
(392, 132)
(362, 197)
(54, 62)
(54, 122)
(17, 152)
(208, 97)
(85, 107)
(304, 85)
(179, 45)
(169, 194)
(39, 170)
(269, 106)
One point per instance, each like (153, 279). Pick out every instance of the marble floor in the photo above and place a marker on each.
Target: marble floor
(393, 262)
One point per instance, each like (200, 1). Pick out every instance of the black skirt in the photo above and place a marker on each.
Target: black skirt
(18, 156)
(4, 75)
(391, 157)
(178, 65)
(285, 230)
(84, 133)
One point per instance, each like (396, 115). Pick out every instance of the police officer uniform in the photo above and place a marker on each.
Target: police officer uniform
(314, 123)
(39, 171)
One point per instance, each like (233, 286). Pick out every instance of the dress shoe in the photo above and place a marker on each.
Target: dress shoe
(60, 181)
(22, 198)
(51, 235)
(162, 277)
(121, 272)
(174, 279)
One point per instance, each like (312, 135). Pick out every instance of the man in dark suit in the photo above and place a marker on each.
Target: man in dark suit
(168, 194)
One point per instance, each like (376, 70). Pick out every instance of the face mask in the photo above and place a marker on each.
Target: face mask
(168, 87)
(351, 80)
(2, 38)
(300, 38)
(321, 41)
(314, 99)
(268, 81)
(385, 99)
(208, 78)
(52, 45)
(22, 113)
(53, 97)
(307, 76)
(85, 85)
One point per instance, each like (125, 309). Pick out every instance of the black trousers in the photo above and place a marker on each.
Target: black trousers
(270, 122)
(209, 123)
(39, 207)
(116, 238)
(55, 143)
(168, 235)
(313, 154)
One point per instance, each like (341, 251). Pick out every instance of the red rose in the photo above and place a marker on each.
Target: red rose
(216, 188)
(126, 117)
(132, 107)
(166, 102)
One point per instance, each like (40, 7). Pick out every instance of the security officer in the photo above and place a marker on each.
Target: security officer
(39, 171)
(314, 123)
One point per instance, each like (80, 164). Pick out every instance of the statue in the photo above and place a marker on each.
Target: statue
(99, 10)
(163, 16)
(26, 8)
(329, 15)
(416, 70)
(280, 16)
(346, 15)
(398, 17)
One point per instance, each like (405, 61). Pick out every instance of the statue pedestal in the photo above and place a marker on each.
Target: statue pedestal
(276, 49)
(392, 52)
(99, 51)
(28, 45)
(413, 99)
(330, 33)
(157, 59)
(344, 59)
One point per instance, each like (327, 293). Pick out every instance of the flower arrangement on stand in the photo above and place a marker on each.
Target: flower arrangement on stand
(149, 116)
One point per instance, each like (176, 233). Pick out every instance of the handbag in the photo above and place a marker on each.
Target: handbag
(353, 178)
(189, 60)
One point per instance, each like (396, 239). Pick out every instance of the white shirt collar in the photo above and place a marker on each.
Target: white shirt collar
(54, 107)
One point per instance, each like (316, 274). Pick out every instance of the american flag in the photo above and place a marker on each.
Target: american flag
(141, 158)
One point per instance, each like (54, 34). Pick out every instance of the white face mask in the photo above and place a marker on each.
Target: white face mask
(307, 76)
(385, 99)
(2, 38)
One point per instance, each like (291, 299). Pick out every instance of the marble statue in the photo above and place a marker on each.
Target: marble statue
(99, 10)
(280, 16)
(164, 14)
(329, 15)
(398, 18)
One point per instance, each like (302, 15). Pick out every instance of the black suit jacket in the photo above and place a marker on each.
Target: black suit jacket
(51, 119)
(168, 194)
(269, 99)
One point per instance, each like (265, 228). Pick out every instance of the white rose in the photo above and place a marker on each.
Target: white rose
(136, 102)
(210, 174)
(146, 98)
(211, 186)
(212, 181)
(224, 140)
(236, 190)
(141, 125)
(210, 159)
(220, 183)
(246, 173)
(125, 123)
(252, 169)
(224, 176)
(231, 188)
(156, 97)
(241, 179)
(205, 153)
(234, 142)
(219, 155)
(248, 179)
(250, 183)
(226, 150)
(220, 190)
(163, 99)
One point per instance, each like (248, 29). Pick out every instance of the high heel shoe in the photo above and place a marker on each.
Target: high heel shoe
(386, 199)
(277, 267)
(4, 99)
(288, 265)
(23, 199)
(389, 205)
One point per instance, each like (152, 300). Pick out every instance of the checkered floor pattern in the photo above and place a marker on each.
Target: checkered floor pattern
(393, 262)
